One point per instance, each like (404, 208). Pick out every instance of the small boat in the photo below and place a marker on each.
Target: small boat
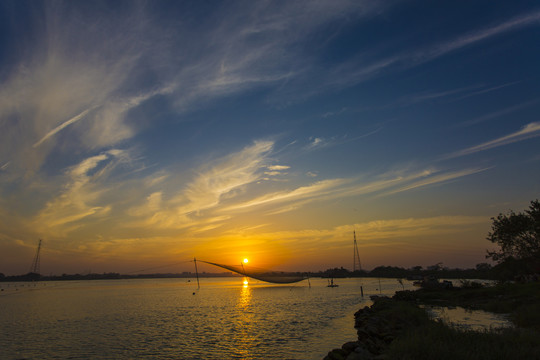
(331, 283)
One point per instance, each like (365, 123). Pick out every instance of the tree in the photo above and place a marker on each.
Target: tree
(518, 235)
(436, 267)
(483, 267)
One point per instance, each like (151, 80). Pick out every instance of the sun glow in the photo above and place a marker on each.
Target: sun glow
(246, 261)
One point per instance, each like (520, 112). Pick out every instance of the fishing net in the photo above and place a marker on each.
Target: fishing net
(276, 277)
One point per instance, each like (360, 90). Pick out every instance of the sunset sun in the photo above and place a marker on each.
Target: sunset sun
(246, 260)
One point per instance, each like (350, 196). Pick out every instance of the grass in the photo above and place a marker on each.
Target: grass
(527, 316)
(400, 312)
(429, 339)
(521, 301)
(434, 340)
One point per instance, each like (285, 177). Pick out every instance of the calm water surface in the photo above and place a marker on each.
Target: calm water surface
(163, 319)
(466, 319)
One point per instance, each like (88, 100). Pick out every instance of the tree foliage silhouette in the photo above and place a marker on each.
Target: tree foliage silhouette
(518, 235)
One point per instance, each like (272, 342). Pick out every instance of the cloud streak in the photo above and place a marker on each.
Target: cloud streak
(318, 189)
(81, 197)
(342, 188)
(475, 37)
(63, 125)
(499, 113)
(436, 179)
(220, 181)
(529, 131)
(361, 68)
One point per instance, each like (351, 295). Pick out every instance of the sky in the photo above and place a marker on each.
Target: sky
(139, 134)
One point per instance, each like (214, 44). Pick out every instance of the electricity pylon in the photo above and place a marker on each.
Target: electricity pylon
(356, 260)
(35, 263)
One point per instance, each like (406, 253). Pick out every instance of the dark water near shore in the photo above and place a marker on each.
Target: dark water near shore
(466, 319)
(162, 319)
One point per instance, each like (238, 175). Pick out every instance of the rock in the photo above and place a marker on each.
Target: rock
(360, 354)
(376, 328)
(371, 330)
(337, 354)
(350, 346)
(362, 334)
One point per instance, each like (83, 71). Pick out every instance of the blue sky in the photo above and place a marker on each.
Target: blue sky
(135, 134)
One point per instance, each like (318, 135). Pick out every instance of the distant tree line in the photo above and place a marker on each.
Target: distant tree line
(108, 276)
(481, 271)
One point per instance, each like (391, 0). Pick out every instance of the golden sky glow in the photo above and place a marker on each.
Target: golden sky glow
(263, 131)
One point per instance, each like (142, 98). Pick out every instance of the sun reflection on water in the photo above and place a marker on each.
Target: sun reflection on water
(245, 338)
(245, 296)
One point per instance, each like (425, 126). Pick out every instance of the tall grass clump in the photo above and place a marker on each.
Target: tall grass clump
(527, 316)
(402, 312)
(439, 341)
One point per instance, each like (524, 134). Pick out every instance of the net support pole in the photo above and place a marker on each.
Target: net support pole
(244, 270)
(197, 273)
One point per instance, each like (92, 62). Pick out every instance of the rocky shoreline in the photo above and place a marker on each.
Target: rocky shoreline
(376, 328)
(398, 327)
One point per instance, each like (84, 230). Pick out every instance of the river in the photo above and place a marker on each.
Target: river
(172, 319)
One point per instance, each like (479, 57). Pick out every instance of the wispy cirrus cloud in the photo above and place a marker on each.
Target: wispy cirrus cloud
(317, 189)
(485, 90)
(529, 131)
(278, 167)
(82, 196)
(384, 185)
(54, 87)
(334, 113)
(236, 61)
(319, 142)
(316, 142)
(405, 180)
(501, 112)
(363, 68)
(59, 78)
(233, 172)
(221, 180)
(474, 37)
(276, 170)
(433, 95)
(435, 179)
(63, 125)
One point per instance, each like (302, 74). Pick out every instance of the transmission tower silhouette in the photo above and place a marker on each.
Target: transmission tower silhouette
(356, 260)
(35, 263)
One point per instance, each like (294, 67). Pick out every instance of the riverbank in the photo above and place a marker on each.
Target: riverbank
(398, 328)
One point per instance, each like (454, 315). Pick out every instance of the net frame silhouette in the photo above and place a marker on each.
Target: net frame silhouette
(271, 276)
